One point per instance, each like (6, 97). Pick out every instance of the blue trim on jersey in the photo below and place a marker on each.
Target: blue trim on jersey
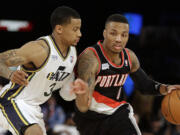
(13, 115)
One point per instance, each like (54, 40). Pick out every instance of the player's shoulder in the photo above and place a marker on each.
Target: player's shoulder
(89, 52)
(35, 43)
(130, 52)
(88, 59)
(134, 60)
(35, 47)
(88, 56)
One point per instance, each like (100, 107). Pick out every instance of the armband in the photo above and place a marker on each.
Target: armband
(145, 84)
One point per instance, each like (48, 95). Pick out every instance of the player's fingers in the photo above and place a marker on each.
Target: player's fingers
(170, 88)
(17, 74)
(80, 81)
(79, 86)
(73, 91)
(77, 90)
(18, 78)
(20, 73)
(81, 92)
(23, 73)
(73, 88)
(18, 82)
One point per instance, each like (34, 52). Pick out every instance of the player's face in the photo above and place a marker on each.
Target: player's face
(116, 35)
(71, 32)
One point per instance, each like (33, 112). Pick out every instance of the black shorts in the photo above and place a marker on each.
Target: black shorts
(120, 122)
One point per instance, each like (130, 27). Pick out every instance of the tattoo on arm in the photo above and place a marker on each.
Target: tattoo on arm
(87, 68)
(90, 81)
(134, 60)
(15, 61)
(4, 71)
(8, 58)
(8, 54)
(91, 84)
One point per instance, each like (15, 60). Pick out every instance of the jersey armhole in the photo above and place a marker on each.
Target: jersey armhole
(43, 64)
(94, 51)
(129, 58)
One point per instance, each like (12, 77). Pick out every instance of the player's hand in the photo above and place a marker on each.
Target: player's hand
(19, 77)
(79, 87)
(170, 88)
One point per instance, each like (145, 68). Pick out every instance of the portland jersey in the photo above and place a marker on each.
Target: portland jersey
(52, 75)
(108, 92)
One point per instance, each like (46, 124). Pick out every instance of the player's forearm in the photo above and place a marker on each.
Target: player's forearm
(145, 84)
(7, 59)
(82, 102)
(4, 70)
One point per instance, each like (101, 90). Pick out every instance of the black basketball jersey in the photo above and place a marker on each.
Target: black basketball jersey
(108, 91)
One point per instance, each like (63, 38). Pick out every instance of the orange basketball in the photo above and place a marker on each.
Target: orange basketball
(170, 107)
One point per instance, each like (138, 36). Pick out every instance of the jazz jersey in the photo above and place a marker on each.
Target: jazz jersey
(108, 93)
(54, 74)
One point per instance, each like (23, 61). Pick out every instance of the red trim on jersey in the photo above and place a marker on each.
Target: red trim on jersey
(82, 53)
(105, 100)
(99, 68)
(113, 64)
(130, 63)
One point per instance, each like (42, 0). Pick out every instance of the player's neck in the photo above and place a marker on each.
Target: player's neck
(63, 47)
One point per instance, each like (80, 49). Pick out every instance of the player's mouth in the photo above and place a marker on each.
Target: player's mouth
(118, 47)
(77, 40)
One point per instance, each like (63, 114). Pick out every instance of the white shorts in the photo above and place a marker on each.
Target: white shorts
(17, 114)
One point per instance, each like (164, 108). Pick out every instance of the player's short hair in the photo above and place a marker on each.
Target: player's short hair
(62, 15)
(116, 18)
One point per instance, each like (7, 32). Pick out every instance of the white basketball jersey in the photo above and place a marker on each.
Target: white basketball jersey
(55, 73)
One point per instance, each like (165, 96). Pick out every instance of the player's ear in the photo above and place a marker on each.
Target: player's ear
(58, 29)
(104, 33)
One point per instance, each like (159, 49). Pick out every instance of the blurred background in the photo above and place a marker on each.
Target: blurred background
(154, 37)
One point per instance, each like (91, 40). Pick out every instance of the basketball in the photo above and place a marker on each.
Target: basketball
(170, 107)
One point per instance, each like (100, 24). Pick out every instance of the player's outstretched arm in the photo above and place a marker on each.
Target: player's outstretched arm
(87, 69)
(144, 83)
(10, 58)
(26, 54)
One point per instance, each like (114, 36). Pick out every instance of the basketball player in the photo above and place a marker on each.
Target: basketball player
(105, 67)
(45, 65)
